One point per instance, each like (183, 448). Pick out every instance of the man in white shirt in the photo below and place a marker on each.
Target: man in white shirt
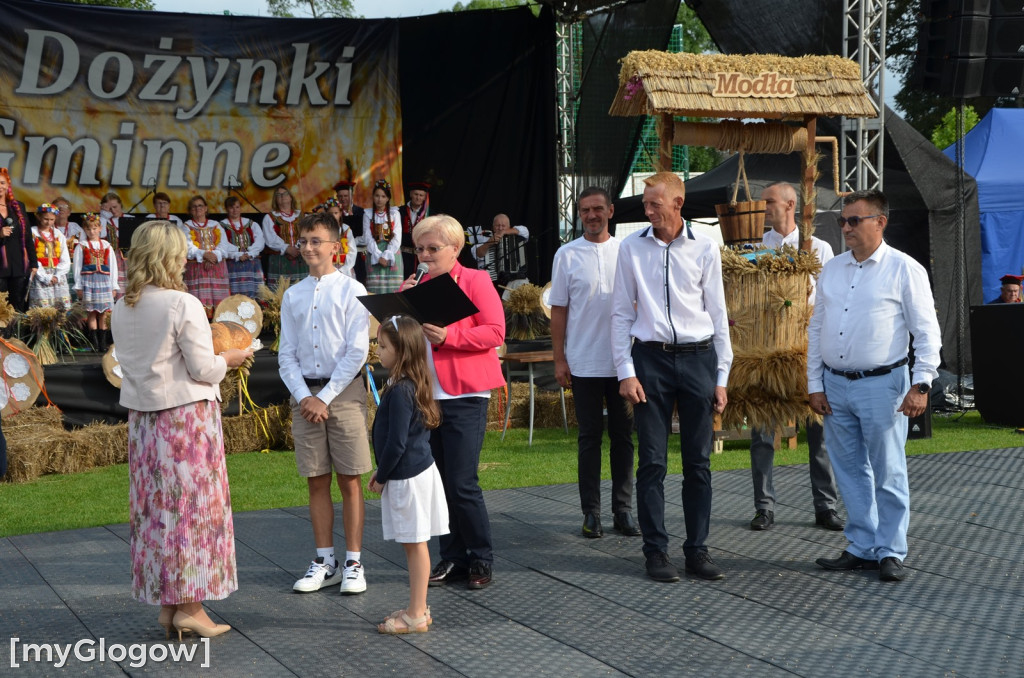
(780, 214)
(870, 299)
(582, 276)
(670, 343)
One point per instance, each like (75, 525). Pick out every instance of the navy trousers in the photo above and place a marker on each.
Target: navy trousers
(685, 379)
(456, 445)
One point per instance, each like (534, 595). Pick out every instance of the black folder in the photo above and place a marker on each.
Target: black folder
(438, 301)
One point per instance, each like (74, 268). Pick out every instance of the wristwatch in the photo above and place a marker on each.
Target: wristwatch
(923, 388)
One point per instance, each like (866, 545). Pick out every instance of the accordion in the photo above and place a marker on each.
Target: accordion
(506, 260)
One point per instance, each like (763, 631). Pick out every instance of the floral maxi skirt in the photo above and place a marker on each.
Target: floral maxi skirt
(182, 535)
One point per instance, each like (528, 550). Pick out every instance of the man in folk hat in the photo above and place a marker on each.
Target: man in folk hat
(352, 215)
(780, 214)
(412, 213)
(1009, 293)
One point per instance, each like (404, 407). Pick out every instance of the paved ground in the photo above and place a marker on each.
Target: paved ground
(565, 606)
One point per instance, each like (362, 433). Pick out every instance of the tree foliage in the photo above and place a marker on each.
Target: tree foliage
(123, 4)
(945, 134)
(312, 8)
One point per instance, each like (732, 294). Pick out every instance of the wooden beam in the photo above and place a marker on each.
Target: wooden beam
(808, 170)
(666, 131)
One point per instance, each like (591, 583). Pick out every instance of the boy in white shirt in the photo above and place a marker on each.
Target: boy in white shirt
(324, 344)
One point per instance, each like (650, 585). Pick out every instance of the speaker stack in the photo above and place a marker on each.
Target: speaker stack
(972, 48)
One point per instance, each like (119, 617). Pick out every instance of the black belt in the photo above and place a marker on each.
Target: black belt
(316, 382)
(692, 347)
(868, 373)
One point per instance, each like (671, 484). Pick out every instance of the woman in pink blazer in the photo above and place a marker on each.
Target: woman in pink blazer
(463, 357)
(181, 532)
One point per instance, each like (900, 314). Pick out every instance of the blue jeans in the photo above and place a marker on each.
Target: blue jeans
(686, 380)
(866, 441)
(455, 445)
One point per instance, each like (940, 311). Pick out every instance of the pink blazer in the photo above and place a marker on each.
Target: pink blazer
(467, 361)
(165, 348)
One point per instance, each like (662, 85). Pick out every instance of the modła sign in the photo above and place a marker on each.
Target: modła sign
(766, 85)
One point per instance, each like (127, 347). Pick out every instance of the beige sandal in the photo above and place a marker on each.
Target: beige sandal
(409, 625)
(398, 613)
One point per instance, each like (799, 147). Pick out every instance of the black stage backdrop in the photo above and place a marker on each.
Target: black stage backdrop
(605, 145)
(478, 116)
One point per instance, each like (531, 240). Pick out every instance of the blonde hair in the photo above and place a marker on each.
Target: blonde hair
(444, 226)
(670, 180)
(405, 335)
(156, 257)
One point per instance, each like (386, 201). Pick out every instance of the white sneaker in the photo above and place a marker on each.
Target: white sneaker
(352, 579)
(318, 576)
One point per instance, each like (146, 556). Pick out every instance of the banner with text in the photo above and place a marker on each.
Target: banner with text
(95, 100)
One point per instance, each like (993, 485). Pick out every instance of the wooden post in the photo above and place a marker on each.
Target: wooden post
(666, 133)
(808, 170)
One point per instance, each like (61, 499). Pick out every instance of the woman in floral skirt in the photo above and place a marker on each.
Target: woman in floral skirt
(181, 531)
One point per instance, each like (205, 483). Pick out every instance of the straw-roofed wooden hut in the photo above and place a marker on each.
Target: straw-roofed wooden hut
(766, 297)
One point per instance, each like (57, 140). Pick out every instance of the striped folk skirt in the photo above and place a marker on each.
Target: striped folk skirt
(97, 292)
(245, 277)
(280, 266)
(49, 295)
(182, 537)
(207, 282)
(384, 279)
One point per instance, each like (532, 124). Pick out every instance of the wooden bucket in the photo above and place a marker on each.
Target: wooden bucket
(741, 221)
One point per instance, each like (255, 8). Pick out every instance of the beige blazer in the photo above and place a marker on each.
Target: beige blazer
(165, 349)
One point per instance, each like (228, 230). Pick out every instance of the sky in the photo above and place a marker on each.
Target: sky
(370, 9)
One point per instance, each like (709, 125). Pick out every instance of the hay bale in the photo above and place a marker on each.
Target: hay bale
(30, 434)
(269, 428)
(547, 409)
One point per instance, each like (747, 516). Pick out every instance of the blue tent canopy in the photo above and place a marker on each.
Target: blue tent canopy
(994, 156)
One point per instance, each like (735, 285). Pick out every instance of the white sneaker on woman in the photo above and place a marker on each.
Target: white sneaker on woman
(318, 576)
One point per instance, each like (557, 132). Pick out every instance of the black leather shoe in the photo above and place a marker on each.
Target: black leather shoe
(829, 519)
(701, 565)
(659, 568)
(592, 526)
(446, 571)
(625, 524)
(479, 575)
(847, 561)
(763, 520)
(891, 569)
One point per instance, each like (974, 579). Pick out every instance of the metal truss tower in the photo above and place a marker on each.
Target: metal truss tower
(863, 143)
(566, 85)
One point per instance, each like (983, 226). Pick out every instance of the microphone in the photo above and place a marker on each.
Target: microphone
(421, 271)
(9, 222)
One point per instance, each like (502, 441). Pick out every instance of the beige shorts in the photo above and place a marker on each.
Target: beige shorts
(340, 442)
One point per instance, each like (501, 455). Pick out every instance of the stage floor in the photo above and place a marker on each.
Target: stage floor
(562, 605)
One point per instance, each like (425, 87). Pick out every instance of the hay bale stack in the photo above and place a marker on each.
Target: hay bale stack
(766, 297)
(547, 411)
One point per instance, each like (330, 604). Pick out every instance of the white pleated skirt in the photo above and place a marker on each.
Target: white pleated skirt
(414, 510)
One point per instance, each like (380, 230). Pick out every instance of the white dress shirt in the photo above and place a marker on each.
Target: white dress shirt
(865, 314)
(582, 278)
(775, 240)
(477, 236)
(324, 334)
(678, 295)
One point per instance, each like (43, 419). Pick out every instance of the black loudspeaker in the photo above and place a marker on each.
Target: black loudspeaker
(961, 78)
(921, 426)
(1006, 36)
(998, 374)
(1003, 78)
